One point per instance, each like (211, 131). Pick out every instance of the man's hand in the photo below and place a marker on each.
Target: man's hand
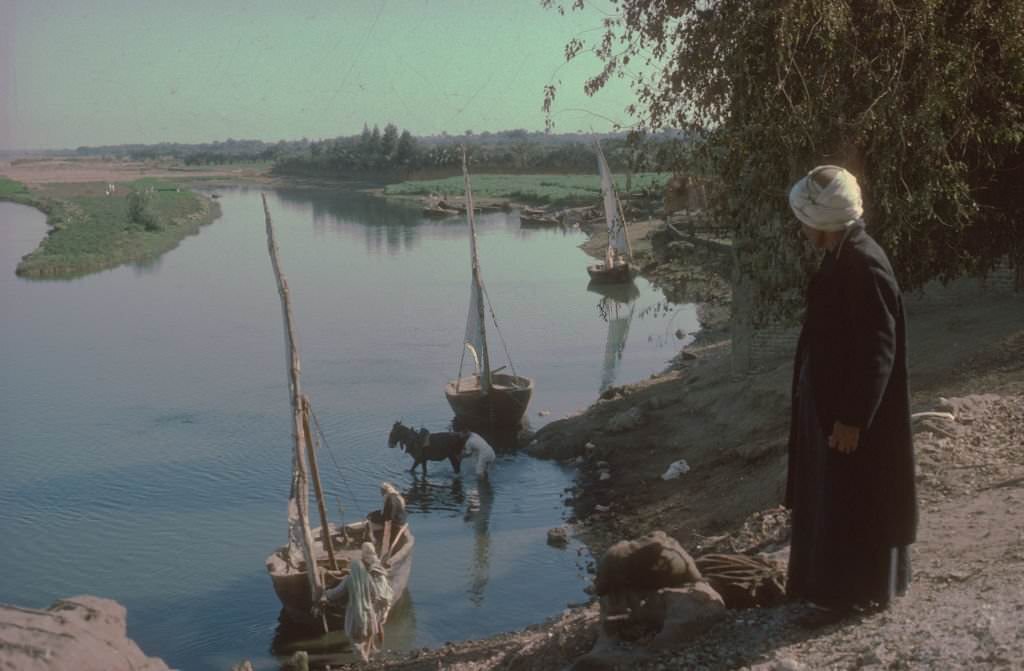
(844, 438)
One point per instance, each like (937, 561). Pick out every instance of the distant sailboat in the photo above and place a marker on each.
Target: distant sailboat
(618, 266)
(486, 397)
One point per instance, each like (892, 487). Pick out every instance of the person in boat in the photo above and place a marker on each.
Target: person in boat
(478, 447)
(850, 481)
(367, 594)
(393, 516)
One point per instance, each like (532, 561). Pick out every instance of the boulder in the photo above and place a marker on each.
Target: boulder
(673, 615)
(647, 563)
(85, 633)
(558, 537)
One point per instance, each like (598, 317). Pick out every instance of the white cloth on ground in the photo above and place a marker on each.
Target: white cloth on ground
(831, 208)
(477, 446)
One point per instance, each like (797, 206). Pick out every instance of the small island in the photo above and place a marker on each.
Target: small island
(96, 226)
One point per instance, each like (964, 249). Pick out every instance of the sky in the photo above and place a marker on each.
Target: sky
(95, 72)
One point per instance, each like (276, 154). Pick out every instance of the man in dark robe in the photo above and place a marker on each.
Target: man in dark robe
(851, 463)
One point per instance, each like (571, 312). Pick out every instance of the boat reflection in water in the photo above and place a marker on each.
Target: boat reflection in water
(616, 309)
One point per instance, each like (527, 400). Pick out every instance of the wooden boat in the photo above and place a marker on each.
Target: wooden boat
(291, 584)
(618, 266)
(530, 217)
(295, 584)
(440, 209)
(486, 397)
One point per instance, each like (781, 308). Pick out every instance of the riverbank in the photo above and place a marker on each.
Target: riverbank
(963, 610)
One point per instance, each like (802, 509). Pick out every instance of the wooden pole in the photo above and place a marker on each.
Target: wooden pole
(314, 470)
(298, 504)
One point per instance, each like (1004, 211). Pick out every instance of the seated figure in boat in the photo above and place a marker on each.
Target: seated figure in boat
(476, 445)
(393, 516)
(367, 595)
(613, 258)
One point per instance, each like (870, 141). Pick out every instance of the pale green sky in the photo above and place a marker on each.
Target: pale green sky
(90, 72)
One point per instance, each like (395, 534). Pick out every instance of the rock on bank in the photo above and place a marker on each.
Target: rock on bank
(84, 633)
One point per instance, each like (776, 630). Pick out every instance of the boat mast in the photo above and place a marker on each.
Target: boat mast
(299, 532)
(485, 364)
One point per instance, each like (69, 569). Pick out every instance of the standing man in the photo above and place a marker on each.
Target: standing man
(851, 462)
(476, 445)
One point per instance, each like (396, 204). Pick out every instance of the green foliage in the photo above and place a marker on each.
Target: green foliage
(549, 189)
(139, 212)
(923, 100)
(90, 231)
(15, 191)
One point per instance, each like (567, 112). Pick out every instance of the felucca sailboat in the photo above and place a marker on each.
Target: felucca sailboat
(618, 265)
(485, 397)
(317, 559)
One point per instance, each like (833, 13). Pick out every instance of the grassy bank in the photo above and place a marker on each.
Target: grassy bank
(14, 191)
(539, 189)
(92, 231)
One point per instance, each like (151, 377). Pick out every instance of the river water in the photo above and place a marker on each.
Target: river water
(144, 416)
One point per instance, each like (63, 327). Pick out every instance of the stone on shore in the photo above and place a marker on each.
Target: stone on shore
(85, 633)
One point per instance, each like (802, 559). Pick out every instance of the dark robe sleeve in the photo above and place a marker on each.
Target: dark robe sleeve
(871, 303)
(787, 500)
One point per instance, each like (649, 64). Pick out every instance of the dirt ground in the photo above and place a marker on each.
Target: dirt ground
(966, 604)
(72, 170)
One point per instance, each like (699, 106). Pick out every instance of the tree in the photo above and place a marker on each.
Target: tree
(139, 211)
(389, 141)
(923, 100)
(405, 152)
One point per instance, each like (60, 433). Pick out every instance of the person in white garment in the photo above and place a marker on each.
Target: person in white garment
(478, 447)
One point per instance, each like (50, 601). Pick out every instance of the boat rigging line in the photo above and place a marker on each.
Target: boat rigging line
(494, 318)
(330, 452)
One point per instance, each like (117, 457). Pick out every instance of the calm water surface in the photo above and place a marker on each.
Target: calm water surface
(144, 416)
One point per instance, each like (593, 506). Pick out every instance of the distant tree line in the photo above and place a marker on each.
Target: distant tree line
(207, 153)
(391, 153)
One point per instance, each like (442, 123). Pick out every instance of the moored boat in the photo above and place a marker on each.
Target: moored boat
(618, 266)
(486, 397)
(313, 561)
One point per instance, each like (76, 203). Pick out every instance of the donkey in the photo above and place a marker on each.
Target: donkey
(423, 445)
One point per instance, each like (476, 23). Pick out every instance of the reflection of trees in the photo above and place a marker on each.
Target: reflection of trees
(387, 226)
(481, 501)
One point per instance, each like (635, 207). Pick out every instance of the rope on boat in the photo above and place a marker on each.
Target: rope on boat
(497, 329)
(330, 452)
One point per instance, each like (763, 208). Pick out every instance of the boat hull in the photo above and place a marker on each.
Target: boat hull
(504, 406)
(291, 584)
(526, 221)
(620, 273)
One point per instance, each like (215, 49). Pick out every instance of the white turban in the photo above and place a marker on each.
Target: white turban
(831, 208)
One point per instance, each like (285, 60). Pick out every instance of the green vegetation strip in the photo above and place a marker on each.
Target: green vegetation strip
(91, 230)
(549, 189)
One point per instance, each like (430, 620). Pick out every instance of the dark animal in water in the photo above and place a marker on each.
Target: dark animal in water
(424, 446)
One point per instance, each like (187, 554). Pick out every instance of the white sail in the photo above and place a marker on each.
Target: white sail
(476, 334)
(617, 240)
